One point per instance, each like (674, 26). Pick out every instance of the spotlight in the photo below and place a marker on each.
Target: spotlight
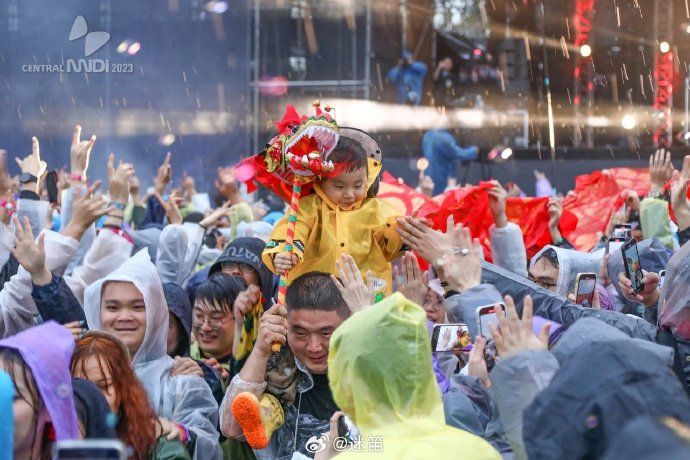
(686, 136)
(585, 51)
(686, 28)
(477, 52)
(167, 139)
(664, 47)
(122, 47)
(629, 121)
(218, 7)
(422, 164)
(506, 153)
(134, 48)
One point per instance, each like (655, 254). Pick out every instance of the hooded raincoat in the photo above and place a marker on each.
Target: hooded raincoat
(182, 399)
(570, 263)
(324, 232)
(379, 369)
(595, 392)
(49, 362)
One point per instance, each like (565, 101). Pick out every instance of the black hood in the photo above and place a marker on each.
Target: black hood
(595, 393)
(248, 250)
(179, 305)
(93, 410)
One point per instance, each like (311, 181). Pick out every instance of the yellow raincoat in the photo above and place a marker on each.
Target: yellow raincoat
(381, 376)
(324, 232)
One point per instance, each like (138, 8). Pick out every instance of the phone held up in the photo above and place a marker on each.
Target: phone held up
(585, 285)
(633, 269)
(488, 314)
(450, 338)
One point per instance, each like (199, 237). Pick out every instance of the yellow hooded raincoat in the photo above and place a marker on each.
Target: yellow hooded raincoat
(381, 376)
(324, 232)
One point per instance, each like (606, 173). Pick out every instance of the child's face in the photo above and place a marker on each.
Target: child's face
(346, 189)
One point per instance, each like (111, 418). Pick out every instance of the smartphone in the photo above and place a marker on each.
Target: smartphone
(615, 244)
(487, 315)
(622, 231)
(585, 285)
(92, 449)
(450, 337)
(52, 186)
(633, 270)
(662, 275)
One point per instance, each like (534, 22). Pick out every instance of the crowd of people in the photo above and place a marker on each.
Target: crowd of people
(153, 320)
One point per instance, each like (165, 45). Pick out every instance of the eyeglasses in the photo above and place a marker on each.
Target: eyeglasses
(241, 265)
(543, 284)
(213, 323)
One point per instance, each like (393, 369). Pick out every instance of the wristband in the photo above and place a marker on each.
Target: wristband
(118, 205)
(77, 177)
(185, 433)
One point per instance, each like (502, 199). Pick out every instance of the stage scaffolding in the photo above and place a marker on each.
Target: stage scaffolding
(303, 49)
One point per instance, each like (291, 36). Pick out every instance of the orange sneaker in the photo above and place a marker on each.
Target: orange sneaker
(258, 418)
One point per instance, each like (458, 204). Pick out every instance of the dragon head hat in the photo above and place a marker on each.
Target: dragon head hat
(303, 144)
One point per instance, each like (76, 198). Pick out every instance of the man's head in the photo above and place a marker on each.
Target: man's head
(123, 313)
(350, 186)
(315, 309)
(213, 320)
(544, 272)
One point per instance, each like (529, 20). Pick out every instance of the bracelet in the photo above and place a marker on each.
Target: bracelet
(185, 432)
(118, 205)
(77, 177)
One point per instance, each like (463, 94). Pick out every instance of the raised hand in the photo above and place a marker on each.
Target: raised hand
(80, 152)
(30, 253)
(497, 203)
(428, 243)
(514, 334)
(414, 284)
(679, 194)
(87, 208)
(32, 164)
(649, 294)
(164, 175)
(118, 180)
(356, 293)
(461, 268)
(172, 207)
(660, 169)
(212, 219)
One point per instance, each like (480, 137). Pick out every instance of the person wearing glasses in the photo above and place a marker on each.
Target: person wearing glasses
(214, 323)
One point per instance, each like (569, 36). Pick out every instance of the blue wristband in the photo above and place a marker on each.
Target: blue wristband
(120, 206)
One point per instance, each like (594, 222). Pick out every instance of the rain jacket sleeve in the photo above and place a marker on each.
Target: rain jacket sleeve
(107, 253)
(87, 238)
(178, 248)
(554, 307)
(16, 304)
(306, 220)
(56, 301)
(196, 409)
(6, 243)
(655, 220)
(471, 407)
(508, 248)
(35, 210)
(515, 382)
(228, 424)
